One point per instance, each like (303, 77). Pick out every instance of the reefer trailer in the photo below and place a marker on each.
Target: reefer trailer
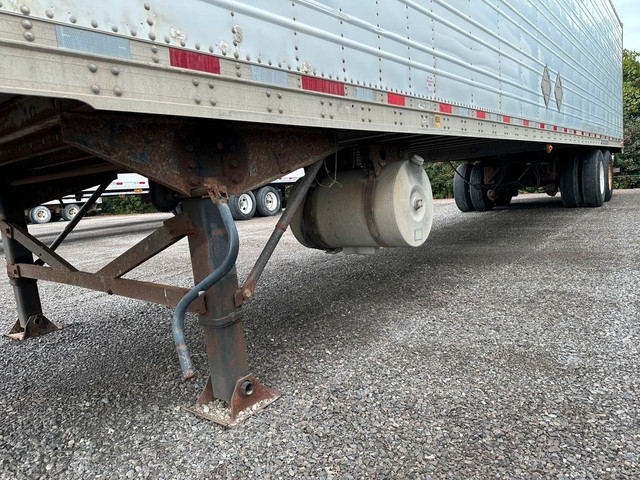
(213, 98)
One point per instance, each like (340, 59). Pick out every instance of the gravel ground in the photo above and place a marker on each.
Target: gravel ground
(505, 347)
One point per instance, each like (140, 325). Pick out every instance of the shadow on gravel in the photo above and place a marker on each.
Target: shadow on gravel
(321, 294)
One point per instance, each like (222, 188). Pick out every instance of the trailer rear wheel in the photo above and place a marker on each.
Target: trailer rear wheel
(479, 198)
(268, 201)
(40, 214)
(461, 192)
(593, 178)
(243, 207)
(570, 182)
(70, 211)
(608, 171)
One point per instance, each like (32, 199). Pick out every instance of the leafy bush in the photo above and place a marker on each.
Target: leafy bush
(441, 177)
(126, 204)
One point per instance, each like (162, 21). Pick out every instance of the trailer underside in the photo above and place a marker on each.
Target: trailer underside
(51, 148)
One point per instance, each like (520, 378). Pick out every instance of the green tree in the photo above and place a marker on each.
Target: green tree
(630, 84)
(629, 161)
(441, 178)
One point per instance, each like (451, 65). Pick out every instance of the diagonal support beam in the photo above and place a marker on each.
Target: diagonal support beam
(35, 246)
(171, 232)
(149, 292)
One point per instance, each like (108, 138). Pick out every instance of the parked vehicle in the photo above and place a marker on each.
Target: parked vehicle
(219, 98)
(68, 206)
(264, 201)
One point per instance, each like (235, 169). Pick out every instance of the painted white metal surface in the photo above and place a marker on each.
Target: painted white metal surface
(439, 63)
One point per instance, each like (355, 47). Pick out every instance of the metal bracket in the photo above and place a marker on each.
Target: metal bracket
(35, 246)
(13, 271)
(249, 397)
(36, 325)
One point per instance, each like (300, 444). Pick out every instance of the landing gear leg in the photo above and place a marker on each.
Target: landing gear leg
(230, 380)
(31, 322)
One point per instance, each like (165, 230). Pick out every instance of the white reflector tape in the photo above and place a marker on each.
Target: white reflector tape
(365, 94)
(268, 75)
(92, 42)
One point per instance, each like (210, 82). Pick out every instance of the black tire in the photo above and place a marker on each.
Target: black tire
(243, 206)
(70, 211)
(593, 178)
(608, 171)
(268, 201)
(570, 181)
(479, 198)
(40, 214)
(461, 193)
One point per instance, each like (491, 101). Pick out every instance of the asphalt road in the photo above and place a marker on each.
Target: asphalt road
(505, 347)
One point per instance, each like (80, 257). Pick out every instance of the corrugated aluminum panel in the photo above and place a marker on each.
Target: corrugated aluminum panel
(486, 55)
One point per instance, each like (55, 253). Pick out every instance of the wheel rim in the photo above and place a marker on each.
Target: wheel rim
(245, 205)
(610, 176)
(41, 214)
(271, 201)
(602, 178)
(73, 212)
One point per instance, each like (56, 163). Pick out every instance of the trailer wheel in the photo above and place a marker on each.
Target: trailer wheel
(608, 171)
(593, 178)
(268, 201)
(40, 214)
(479, 198)
(70, 211)
(243, 207)
(570, 182)
(461, 193)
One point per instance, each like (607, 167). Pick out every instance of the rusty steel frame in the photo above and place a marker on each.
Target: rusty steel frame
(192, 158)
(187, 156)
(108, 279)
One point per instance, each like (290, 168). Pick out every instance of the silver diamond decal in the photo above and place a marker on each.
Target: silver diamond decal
(558, 91)
(546, 86)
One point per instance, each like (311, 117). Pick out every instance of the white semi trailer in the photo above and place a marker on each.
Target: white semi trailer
(211, 99)
(67, 207)
(265, 201)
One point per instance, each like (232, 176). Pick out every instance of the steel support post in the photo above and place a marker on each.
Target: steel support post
(230, 379)
(31, 322)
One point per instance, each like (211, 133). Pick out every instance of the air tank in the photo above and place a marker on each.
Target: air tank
(359, 213)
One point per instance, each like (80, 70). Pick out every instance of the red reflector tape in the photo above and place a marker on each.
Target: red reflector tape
(444, 108)
(395, 99)
(565, 129)
(481, 115)
(506, 119)
(322, 85)
(542, 126)
(525, 123)
(555, 128)
(194, 61)
(119, 183)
